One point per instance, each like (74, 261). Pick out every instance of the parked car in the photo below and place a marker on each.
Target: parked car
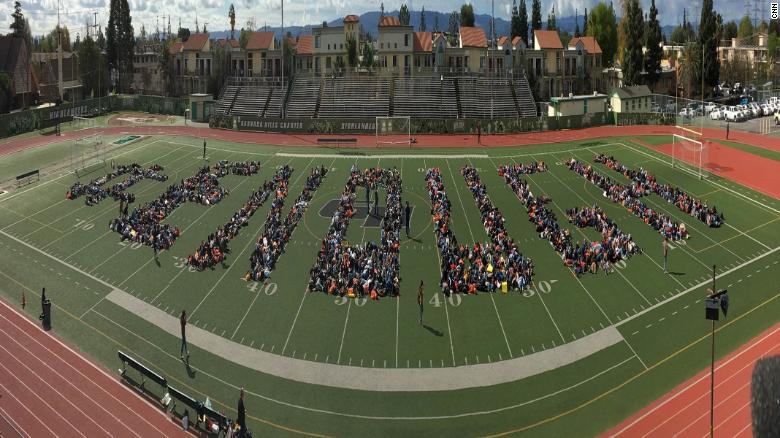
(710, 107)
(733, 114)
(777, 118)
(717, 114)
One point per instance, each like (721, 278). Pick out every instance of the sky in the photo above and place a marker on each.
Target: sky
(42, 14)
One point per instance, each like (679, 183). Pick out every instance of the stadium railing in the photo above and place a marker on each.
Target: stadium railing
(143, 370)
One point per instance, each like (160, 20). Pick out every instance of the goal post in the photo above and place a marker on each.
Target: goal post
(78, 123)
(87, 154)
(689, 155)
(394, 130)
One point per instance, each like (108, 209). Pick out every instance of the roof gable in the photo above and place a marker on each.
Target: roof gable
(389, 20)
(196, 42)
(423, 42)
(305, 45)
(472, 37)
(260, 41)
(588, 42)
(351, 19)
(547, 39)
(10, 51)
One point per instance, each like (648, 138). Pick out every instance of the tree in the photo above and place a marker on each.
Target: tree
(564, 36)
(632, 45)
(436, 22)
(381, 11)
(585, 23)
(232, 16)
(467, 15)
(745, 27)
(368, 55)
(654, 50)
(552, 23)
(184, 34)
(17, 25)
(536, 14)
(514, 27)
(602, 25)
(92, 69)
(453, 27)
(730, 30)
(689, 67)
(576, 25)
(522, 18)
(403, 15)
(49, 43)
(423, 27)
(708, 41)
(112, 37)
(352, 52)
(167, 74)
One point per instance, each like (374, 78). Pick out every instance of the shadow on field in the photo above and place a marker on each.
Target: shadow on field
(190, 371)
(433, 330)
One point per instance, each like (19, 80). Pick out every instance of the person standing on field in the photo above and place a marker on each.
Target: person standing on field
(666, 255)
(184, 349)
(204, 148)
(241, 419)
(407, 214)
(421, 299)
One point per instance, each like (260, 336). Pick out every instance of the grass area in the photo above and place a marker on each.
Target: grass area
(662, 346)
(755, 150)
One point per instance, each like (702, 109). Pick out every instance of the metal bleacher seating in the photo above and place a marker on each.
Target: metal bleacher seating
(525, 100)
(302, 102)
(476, 95)
(425, 97)
(362, 97)
(251, 101)
(226, 100)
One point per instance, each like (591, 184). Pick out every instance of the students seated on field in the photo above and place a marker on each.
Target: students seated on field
(628, 196)
(520, 168)
(213, 250)
(368, 269)
(245, 168)
(672, 195)
(95, 193)
(277, 231)
(143, 223)
(482, 266)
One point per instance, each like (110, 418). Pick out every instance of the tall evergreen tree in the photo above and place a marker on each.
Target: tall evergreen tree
(17, 26)
(403, 15)
(536, 14)
(654, 50)
(576, 24)
(467, 15)
(381, 11)
(552, 23)
(436, 22)
(585, 23)
(423, 26)
(708, 42)
(514, 28)
(112, 37)
(522, 17)
(232, 16)
(632, 45)
(602, 25)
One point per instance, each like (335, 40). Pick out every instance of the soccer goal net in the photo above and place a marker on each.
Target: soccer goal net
(393, 130)
(87, 155)
(689, 155)
(82, 123)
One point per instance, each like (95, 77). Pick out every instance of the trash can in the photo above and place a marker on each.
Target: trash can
(46, 315)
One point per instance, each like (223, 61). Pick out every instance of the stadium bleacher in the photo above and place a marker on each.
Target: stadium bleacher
(425, 97)
(361, 97)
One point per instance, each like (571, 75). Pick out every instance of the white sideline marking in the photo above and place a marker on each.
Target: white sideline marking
(696, 286)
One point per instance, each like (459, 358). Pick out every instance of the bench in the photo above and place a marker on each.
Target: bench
(145, 372)
(26, 178)
(201, 411)
(337, 141)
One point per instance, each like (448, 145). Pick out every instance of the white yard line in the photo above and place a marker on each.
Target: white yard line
(473, 239)
(634, 351)
(344, 332)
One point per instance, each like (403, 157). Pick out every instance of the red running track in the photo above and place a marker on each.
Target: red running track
(47, 389)
(685, 411)
(750, 170)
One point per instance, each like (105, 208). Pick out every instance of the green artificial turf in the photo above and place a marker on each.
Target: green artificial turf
(584, 398)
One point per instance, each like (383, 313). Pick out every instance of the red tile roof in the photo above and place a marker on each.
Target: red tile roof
(196, 41)
(305, 45)
(548, 39)
(351, 19)
(472, 37)
(423, 42)
(175, 47)
(516, 40)
(389, 20)
(590, 43)
(222, 41)
(260, 41)
(502, 40)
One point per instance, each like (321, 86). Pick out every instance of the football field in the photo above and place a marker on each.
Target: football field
(567, 353)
